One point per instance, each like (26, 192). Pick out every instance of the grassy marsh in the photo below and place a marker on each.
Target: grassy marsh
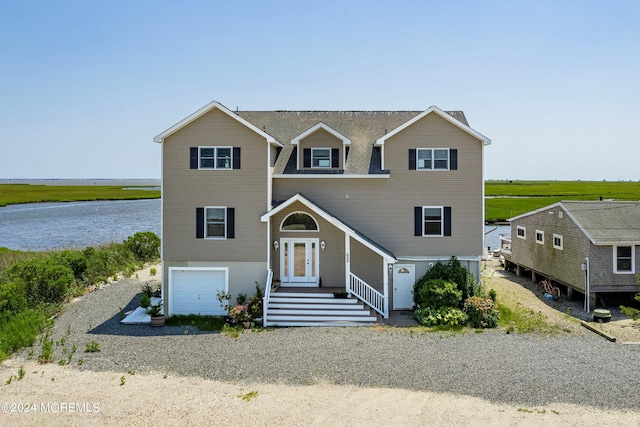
(11, 194)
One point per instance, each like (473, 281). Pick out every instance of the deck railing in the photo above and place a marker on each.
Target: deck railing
(267, 295)
(367, 294)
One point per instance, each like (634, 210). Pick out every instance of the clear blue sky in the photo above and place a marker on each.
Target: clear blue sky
(85, 85)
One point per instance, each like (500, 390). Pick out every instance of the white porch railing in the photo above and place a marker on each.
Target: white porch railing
(367, 294)
(267, 295)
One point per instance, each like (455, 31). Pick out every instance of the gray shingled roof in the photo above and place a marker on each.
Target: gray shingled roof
(363, 128)
(607, 222)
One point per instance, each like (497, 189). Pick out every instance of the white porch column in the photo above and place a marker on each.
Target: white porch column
(347, 261)
(385, 285)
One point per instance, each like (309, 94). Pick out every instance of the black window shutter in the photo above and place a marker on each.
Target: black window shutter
(412, 161)
(417, 221)
(231, 223)
(199, 223)
(447, 220)
(335, 157)
(346, 153)
(236, 157)
(193, 158)
(306, 153)
(453, 159)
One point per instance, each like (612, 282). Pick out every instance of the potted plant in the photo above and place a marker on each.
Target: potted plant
(240, 314)
(157, 319)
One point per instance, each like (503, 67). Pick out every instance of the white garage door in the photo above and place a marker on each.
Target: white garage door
(194, 290)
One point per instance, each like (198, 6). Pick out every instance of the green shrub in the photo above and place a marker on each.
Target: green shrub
(144, 245)
(145, 301)
(12, 299)
(43, 280)
(255, 303)
(453, 272)
(481, 312)
(444, 316)
(75, 260)
(20, 330)
(437, 293)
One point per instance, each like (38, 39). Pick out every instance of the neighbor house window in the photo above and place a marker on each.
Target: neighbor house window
(320, 157)
(540, 237)
(624, 259)
(215, 157)
(521, 232)
(432, 158)
(557, 241)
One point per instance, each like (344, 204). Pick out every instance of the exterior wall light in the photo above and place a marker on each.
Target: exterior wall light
(323, 245)
(276, 245)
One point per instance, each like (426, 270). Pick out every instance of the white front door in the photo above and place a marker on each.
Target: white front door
(299, 262)
(404, 277)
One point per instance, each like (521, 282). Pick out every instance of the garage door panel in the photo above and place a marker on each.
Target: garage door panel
(195, 291)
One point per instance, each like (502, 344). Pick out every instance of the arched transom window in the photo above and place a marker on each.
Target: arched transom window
(299, 221)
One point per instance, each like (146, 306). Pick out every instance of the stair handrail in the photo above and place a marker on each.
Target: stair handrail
(367, 294)
(267, 295)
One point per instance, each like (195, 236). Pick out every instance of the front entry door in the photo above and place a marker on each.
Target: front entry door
(404, 277)
(299, 262)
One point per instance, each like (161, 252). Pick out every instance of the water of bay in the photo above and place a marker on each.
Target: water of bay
(40, 226)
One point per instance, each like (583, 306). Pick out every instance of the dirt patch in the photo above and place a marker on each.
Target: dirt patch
(564, 313)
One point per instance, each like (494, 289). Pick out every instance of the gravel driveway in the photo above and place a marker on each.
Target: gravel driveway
(515, 369)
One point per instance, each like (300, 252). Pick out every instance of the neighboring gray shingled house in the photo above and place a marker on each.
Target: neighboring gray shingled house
(363, 201)
(580, 244)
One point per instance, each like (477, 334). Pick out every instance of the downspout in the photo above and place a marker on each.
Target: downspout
(587, 286)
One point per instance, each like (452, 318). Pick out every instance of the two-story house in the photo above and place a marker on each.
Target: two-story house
(362, 201)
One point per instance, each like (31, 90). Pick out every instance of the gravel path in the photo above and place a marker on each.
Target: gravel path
(531, 370)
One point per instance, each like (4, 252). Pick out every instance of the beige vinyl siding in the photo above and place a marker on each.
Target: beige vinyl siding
(332, 270)
(383, 209)
(320, 139)
(367, 265)
(186, 189)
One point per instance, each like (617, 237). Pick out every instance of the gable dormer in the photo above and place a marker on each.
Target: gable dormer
(321, 148)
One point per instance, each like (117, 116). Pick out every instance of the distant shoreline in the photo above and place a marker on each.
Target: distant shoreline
(86, 182)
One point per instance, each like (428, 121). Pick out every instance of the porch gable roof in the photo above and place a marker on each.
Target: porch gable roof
(336, 222)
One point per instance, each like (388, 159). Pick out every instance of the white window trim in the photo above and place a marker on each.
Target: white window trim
(215, 157)
(441, 221)
(561, 245)
(321, 167)
(317, 230)
(524, 232)
(541, 234)
(633, 260)
(433, 159)
(206, 236)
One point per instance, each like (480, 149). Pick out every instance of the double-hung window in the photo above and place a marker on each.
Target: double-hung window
(624, 259)
(215, 157)
(215, 222)
(558, 241)
(215, 218)
(320, 157)
(540, 237)
(521, 232)
(432, 158)
(432, 221)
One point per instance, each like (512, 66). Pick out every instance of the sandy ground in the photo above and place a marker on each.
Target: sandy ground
(625, 331)
(55, 395)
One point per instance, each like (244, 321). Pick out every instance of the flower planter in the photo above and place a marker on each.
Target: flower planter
(157, 321)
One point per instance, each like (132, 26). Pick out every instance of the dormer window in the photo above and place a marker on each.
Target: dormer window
(320, 157)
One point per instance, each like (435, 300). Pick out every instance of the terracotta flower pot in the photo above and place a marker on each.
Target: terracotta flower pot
(246, 325)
